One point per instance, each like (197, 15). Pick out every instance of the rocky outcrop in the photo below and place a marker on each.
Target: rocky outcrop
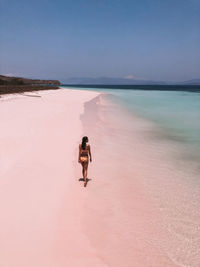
(12, 85)
(5, 80)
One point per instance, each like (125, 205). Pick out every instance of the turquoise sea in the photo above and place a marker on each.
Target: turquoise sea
(175, 112)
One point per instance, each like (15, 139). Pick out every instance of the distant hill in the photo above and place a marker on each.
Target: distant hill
(109, 81)
(6, 80)
(191, 82)
(122, 81)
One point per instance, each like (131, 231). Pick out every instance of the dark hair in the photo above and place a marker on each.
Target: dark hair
(84, 141)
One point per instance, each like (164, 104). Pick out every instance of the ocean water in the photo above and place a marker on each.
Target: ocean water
(147, 148)
(177, 113)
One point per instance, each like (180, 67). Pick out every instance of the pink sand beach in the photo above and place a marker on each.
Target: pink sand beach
(48, 218)
(41, 199)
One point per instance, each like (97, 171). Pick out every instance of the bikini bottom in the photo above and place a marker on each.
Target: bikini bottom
(84, 159)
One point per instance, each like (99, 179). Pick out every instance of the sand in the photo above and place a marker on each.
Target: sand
(48, 218)
(41, 199)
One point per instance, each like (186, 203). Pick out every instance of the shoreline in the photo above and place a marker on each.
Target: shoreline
(117, 210)
(120, 218)
(141, 205)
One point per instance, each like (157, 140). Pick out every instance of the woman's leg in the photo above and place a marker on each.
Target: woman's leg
(82, 170)
(85, 167)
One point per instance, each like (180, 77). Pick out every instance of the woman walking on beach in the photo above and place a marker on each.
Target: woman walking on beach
(84, 151)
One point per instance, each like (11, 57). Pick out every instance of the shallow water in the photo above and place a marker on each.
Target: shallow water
(176, 112)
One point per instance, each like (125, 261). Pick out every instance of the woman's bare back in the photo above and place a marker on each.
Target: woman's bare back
(84, 152)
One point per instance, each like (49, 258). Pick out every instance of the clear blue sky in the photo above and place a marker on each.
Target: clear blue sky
(150, 39)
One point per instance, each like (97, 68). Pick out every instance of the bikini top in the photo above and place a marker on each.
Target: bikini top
(85, 151)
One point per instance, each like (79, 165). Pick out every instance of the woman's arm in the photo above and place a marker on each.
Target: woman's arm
(79, 154)
(90, 154)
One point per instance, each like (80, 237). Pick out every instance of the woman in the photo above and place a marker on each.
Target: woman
(84, 151)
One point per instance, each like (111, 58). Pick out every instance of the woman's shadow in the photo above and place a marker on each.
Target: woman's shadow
(82, 180)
